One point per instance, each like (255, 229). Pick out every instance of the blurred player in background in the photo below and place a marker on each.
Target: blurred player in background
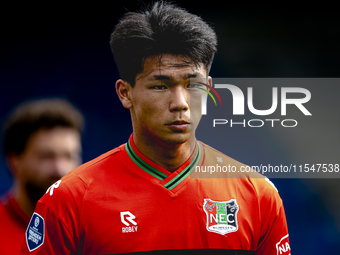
(140, 197)
(42, 143)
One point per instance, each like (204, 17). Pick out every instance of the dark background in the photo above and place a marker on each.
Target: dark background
(57, 50)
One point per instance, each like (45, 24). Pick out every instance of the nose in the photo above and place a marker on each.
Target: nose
(179, 99)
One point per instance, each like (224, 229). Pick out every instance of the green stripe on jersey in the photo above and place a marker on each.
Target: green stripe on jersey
(184, 173)
(158, 174)
(142, 164)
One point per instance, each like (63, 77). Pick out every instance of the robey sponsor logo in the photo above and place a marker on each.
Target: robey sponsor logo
(127, 218)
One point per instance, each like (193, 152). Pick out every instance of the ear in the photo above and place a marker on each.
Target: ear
(209, 80)
(123, 89)
(12, 162)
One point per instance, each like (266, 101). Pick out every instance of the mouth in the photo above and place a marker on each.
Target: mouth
(179, 125)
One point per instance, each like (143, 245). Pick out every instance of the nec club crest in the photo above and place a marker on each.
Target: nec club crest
(221, 216)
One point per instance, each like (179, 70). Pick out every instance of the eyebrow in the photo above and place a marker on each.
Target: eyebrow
(169, 78)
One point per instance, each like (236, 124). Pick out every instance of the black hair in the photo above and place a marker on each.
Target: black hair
(160, 29)
(31, 116)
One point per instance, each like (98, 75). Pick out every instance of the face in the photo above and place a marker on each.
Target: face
(163, 104)
(49, 155)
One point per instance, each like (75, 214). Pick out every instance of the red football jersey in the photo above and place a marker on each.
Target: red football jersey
(13, 224)
(122, 202)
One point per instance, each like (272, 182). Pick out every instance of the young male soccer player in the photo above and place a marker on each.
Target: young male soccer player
(42, 143)
(140, 197)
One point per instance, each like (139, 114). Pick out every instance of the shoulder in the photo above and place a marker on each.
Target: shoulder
(243, 176)
(3, 206)
(219, 165)
(269, 200)
(106, 160)
(92, 169)
(7, 204)
(213, 156)
(70, 190)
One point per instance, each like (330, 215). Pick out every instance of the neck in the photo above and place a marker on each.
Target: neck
(22, 198)
(170, 156)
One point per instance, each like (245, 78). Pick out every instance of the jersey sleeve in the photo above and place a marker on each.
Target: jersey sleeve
(53, 239)
(54, 226)
(274, 237)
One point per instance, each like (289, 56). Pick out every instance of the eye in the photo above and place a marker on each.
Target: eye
(159, 87)
(195, 85)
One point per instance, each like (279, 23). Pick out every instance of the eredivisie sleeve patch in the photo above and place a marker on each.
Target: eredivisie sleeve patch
(35, 232)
